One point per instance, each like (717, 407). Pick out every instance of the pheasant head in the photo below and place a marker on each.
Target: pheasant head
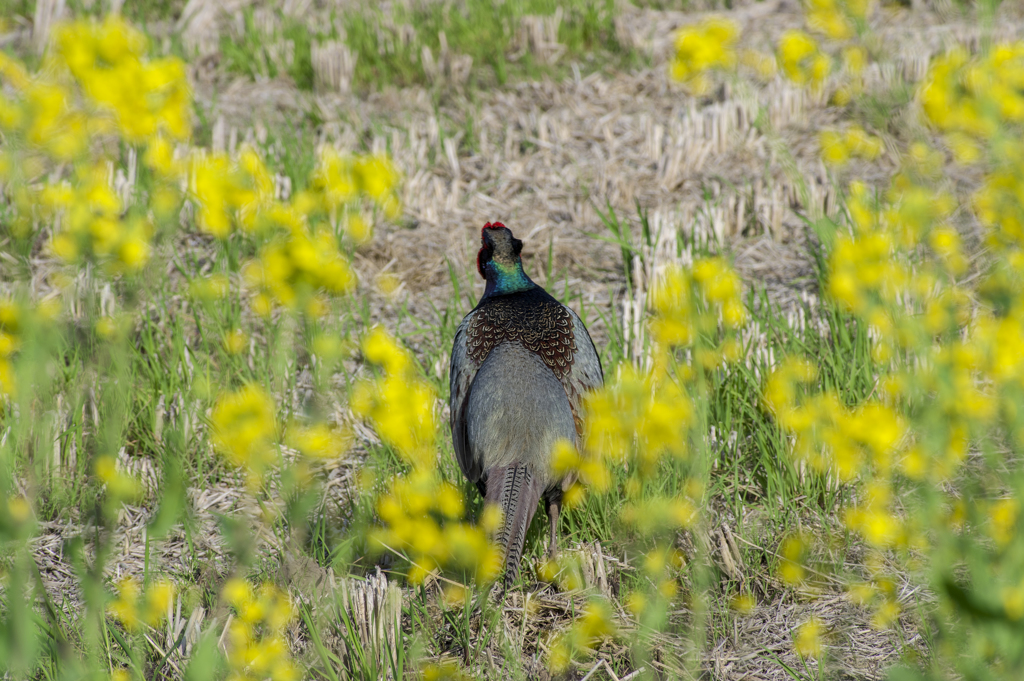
(499, 261)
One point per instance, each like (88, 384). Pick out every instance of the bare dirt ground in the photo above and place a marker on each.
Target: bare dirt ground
(740, 167)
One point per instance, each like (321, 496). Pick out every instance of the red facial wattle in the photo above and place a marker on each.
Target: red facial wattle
(485, 245)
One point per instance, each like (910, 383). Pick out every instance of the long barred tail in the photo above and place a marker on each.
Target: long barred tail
(516, 490)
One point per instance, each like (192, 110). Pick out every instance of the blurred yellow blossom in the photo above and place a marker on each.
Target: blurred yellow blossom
(808, 641)
(132, 607)
(243, 429)
(801, 60)
(400, 404)
(421, 513)
(319, 441)
(90, 222)
(699, 48)
(257, 647)
(793, 555)
(763, 65)
(593, 625)
(120, 486)
(294, 268)
(108, 60)
(214, 287)
(743, 604)
(342, 178)
(235, 341)
(1003, 515)
(838, 147)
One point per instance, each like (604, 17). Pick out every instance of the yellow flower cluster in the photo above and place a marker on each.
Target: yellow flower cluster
(343, 178)
(839, 147)
(42, 115)
(400, 403)
(124, 93)
(763, 66)
(108, 60)
(807, 642)
(831, 437)
(801, 59)
(591, 472)
(700, 48)
(643, 421)
(880, 593)
(318, 441)
(257, 647)
(243, 427)
(949, 348)
(132, 608)
(836, 19)
(10, 341)
(867, 444)
(245, 430)
(638, 413)
(975, 96)
(444, 671)
(224, 189)
(972, 101)
(999, 204)
(642, 417)
(297, 269)
(91, 227)
(590, 628)
(421, 512)
(17, 319)
(303, 263)
(793, 554)
(677, 303)
(867, 275)
(119, 485)
(95, 85)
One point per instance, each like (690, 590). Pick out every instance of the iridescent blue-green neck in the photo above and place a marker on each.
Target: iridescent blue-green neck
(503, 279)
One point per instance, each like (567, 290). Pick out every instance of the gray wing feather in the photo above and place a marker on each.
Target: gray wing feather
(462, 372)
(586, 373)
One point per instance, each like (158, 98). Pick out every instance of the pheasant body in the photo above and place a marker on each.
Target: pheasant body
(521, 364)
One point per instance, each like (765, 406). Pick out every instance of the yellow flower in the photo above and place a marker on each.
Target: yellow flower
(154, 606)
(793, 554)
(108, 61)
(235, 341)
(827, 16)
(593, 625)
(710, 44)
(159, 597)
(256, 648)
(119, 485)
(243, 428)
(294, 269)
(833, 149)
(214, 287)
(1002, 516)
(125, 608)
(319, 441)
(763, 65)
(886, 614)
(743, 604)
(376, 176)
(1013, 601)
(808, 641)
(800, 59)
(855, 59)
